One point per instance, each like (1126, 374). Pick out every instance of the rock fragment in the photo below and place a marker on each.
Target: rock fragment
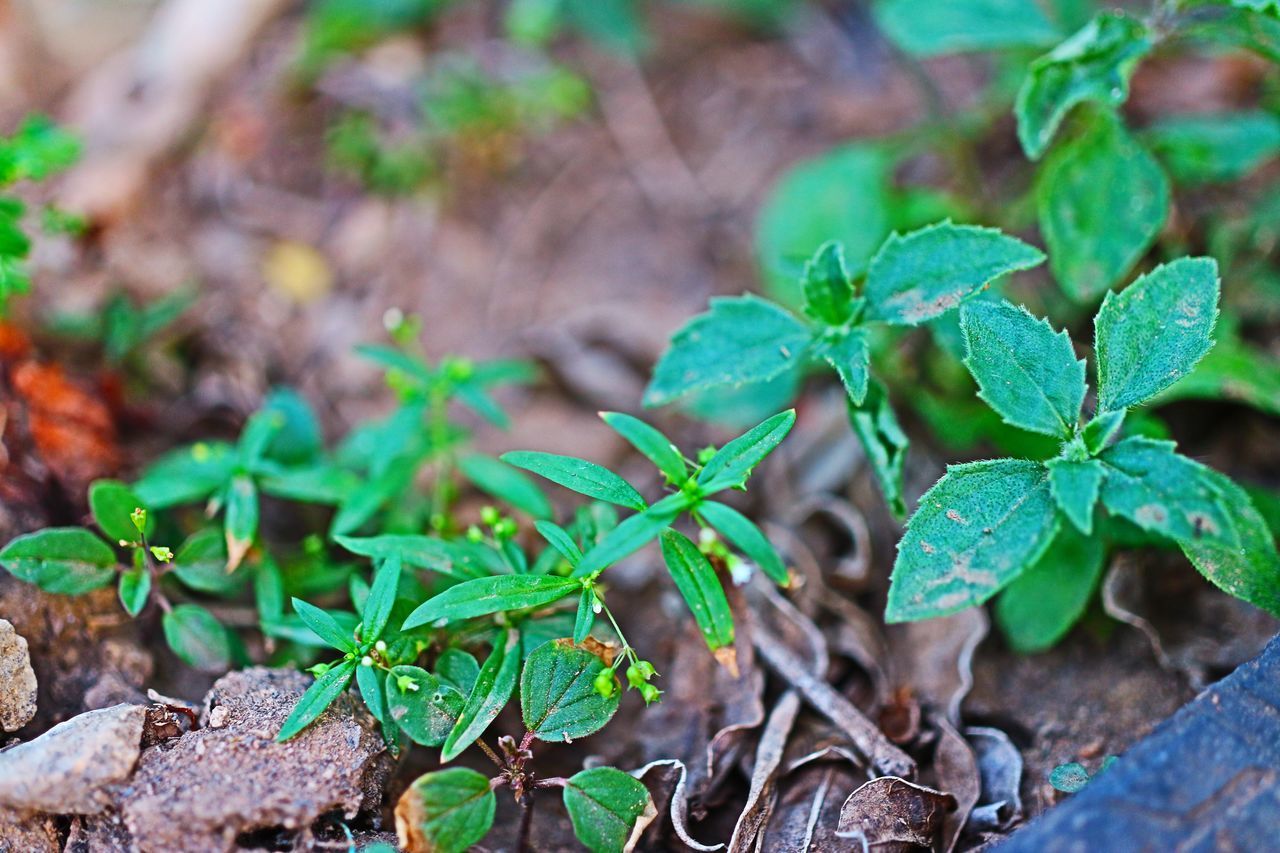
(17, 680)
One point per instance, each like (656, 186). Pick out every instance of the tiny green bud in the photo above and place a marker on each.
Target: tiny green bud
(475, 534)
(139, 519)
(650, 694)
(489, 516)
(646, 669)
(634, 676)
(162, 553)
(705, 454)
(406, 683)
(604, 683)
(381, 645)
(366, 661)
(505, 528)
(200, 452)
(319, 669)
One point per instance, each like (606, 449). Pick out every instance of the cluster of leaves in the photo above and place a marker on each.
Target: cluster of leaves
(121, 326)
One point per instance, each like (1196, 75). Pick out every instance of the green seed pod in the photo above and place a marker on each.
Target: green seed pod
(650, 694)
(604, 684)
(634, 676)
(646, 669)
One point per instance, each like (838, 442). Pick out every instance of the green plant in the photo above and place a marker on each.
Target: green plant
(123, 327)
(986, 526)
(1072, 777)
(913, 279)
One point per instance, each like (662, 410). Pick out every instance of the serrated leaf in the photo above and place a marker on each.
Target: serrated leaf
(446, 811)
(732, 464)
(741, 340)
(961, 26)
(918, 276)
(828, 292)
(1025, 370)
(1214, 148)
(197, 638)
(558, 698)
(579, 475)
(61, 560)
(978, 528)
(1248, 569)
(319, 696)
(1099, 432)
(186, 475)
(746, 537)
(632, 535)
(505, 483)
(1102, 200)
(700, 587)
(1158, 489)
(458, 669)
(493, 688)
(1093, 65)
(655, 446)
(451, 559)
(604, 804)
(241, 523)
(1154, 332)
(1039, 607)
(112, 504)
(427, 710)
(134, 588)
(848, 355)
(382, 597)
(482, 596)
(1075, 486)
(884, 442)
(324, 626)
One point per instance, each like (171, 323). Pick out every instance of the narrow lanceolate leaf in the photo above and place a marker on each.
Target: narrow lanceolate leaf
(373, 692)
(960, 26)
(483, 596)
(242, 519)
(320, 695)
(1248, 569)
(978, 528)
(61, 560)
(1150, 484)
(493, 688)
(558, 698)
(505, 483)
(1093, 65)
(746, 537)
(733, 463)
(559, 539)
(740, 340)
(1102, 200)
(324, 626)
(424, 707)
(916, 277)
(452, 559)
(579, 475)
(1202, 148)
(586, 615)
(655, 446)
(632, 535)
(1042, 603)
(112, 504)
(700, 587)
(884, 442)
(828, 292)
(604, 804)
(382, 597)
(1155, 331)
(197, 638)
(447, 811)
(847, 353)
(1075, 486)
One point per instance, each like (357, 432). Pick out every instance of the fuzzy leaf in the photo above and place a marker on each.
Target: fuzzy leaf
(1075, 486)
(655, 446)
(828, 293)
(604, 804)
(1025, 370)
(1208, 148)
(505, 483)
(1093, 65)
(447, 811)
(1155, 331)
(700, 586)
(112, 504)
(1102, 200)
(746, 537)
(884, 442)
(579, 475)
(740, 340)
(1249, 569)
(978, 528)
(483, 596)
(916, 277)
(558, 698)
(320, 695)
(1164, 491)
(733, 463)
(197, 638)
(61, 560)
(848, 355)
(427, 710)
(960, 26)
(493, 688)
(1042, 603)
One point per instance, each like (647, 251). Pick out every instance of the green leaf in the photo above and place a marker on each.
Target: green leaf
(1093, 65)
(425, 708)
(559, 539)
(960, 26)
(1075, 485)
(382, 597)
(483, 596)
(1164, 491)
(733, 463)
(586, 615)
(884, 442)
(458, 669)
(241, 523)
(447, 811)
(1215, 148)
(978, 528)
(320, 695)
(186, 475)
(1025, 370)
(740, 340)
(324, 626)
(579, 475)
(1152, 333)
(1102, 200)
(493, 688)
(1099, 432)
(604, 804)
(259, 431)
(201, 563)
(1040, 606)
(828, 292)
(505, 483)
(61, 560)
(298, 440)
(451, 559)
(558, 698)
(1231, 370)
(700, 587)
(134, 588)
(372, 684)
(317, 484)
(1237, 28)
(197, 638)
(651, 443)
(746, 537)
(112, 504)
(1248, 569)
(848, 355)
(916, 277)
(632, 535)
(1069, 778)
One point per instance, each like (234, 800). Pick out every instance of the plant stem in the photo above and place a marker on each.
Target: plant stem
(493, 756)
(526, 822)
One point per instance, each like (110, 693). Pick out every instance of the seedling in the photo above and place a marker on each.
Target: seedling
(985, 524)
(1072, 777)
(746, 340)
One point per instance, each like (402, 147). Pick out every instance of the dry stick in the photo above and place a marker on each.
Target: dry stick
(870, 741)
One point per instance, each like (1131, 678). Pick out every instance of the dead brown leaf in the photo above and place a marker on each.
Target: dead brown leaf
(892, 814)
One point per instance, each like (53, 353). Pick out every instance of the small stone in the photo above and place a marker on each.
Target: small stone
(17, 680)
(218, 717)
